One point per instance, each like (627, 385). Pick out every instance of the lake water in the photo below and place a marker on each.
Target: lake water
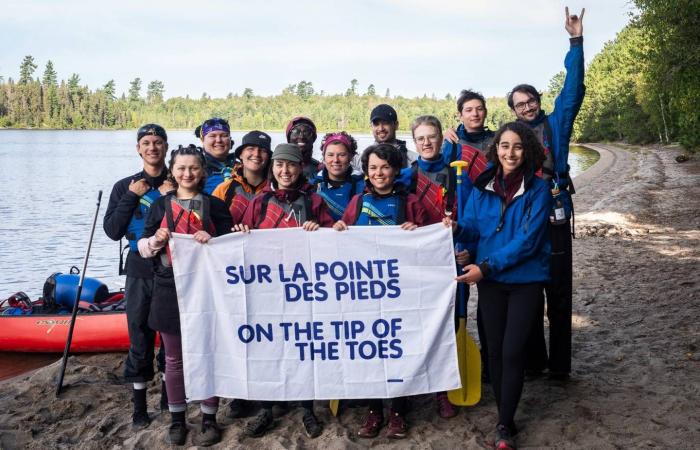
(53, 179)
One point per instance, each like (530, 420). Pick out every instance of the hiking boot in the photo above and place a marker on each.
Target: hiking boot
(140, 419)
(208, 434)
(259, 424)
(445, 409)
(311, 425)
(558, 376)
(177, 433)
(163, 397)
(239, 408)
(373, 423)
(504, 438)
(397, 429)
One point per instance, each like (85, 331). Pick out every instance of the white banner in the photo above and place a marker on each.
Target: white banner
(293, 315)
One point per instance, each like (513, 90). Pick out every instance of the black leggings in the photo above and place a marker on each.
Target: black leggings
(508, 312)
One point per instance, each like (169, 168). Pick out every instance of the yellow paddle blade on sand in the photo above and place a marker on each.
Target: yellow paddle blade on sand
(469, 360)
(334, 407)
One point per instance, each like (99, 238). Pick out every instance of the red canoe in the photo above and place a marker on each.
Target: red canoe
(94, 332)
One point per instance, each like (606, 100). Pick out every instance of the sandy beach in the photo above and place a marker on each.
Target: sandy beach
(636, 371)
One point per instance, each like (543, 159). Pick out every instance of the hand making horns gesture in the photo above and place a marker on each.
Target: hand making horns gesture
(574, 23)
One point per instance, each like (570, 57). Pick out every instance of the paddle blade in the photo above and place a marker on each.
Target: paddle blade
(334, 407)
(469, 360)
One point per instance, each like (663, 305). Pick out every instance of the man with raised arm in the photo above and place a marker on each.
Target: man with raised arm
(554, 132)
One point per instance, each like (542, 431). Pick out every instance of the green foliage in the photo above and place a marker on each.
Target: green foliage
(155, 91)
(135, 90)
(50, 78)
(26, 70)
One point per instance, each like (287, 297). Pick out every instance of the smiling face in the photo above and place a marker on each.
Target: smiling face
(286, 173)
(303, 136)
(380, 174)
(152, 149)
(428, 139)
(217, 143)
(188, 172)
(473, 115)
(525, 106)
(510, 152)
(337, 160)
(254, 159)
(384, 131)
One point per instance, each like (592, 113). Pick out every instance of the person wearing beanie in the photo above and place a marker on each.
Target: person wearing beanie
(384, 122)
(215, 134)
(302, 132)
(248, 177)
(129, 205)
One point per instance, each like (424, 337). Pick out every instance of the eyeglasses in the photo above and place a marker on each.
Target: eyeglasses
(531, 103)
(301, 131)
(431, 138)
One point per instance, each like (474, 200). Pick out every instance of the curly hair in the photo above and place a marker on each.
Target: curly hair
(533, 152)
(387, 152)
(333, 140)
(467, 95)
(190, 150)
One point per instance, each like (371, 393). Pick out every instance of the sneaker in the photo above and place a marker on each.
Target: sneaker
(259, 424)
(398, 429)
(311, 425)
(445, 409)
(140, 420)
(504, 438)
(239, 408)
(209, 434)
(373, 423)
(177, 433)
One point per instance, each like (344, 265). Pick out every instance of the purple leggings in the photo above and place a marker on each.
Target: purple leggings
(175, 378)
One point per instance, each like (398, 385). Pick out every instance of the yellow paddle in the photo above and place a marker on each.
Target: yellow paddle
(469, 358)
(334, 407)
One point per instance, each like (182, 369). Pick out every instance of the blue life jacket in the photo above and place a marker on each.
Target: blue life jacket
(384, 210)
(217, 171)
(337, 195)
(134, 231)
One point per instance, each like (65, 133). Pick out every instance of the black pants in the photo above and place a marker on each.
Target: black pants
(139, 361)
(508, 312)
(398, 404)
(559, 292)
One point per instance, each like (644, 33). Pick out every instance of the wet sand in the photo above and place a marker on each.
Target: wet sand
(635, 380)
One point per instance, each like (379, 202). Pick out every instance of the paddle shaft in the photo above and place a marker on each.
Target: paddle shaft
(74, 315)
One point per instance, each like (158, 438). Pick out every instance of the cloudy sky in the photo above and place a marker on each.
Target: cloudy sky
(411, 47)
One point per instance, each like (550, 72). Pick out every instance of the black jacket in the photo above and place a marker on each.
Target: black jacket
(165, 314)
(120, 210)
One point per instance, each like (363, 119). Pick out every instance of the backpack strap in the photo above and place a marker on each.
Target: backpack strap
(308, 204)
(263, 209)
(358, 210)
(401, 209)
(230, 193)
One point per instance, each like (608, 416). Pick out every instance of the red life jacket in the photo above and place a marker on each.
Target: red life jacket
(274, 214)
(180, 220)
(475, 157)
(432, 196)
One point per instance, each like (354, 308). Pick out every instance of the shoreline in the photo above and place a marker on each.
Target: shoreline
(636, 366)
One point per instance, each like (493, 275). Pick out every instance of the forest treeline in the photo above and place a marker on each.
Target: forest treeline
(643, 87)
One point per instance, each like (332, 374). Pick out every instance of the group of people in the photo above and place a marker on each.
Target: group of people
(510, 213)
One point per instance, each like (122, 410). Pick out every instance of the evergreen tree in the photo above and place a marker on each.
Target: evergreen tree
(50, 77)
(26, 70)
(155, 91)
(135, 90)
(110, 90)
(371, 90)
(352, 90)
